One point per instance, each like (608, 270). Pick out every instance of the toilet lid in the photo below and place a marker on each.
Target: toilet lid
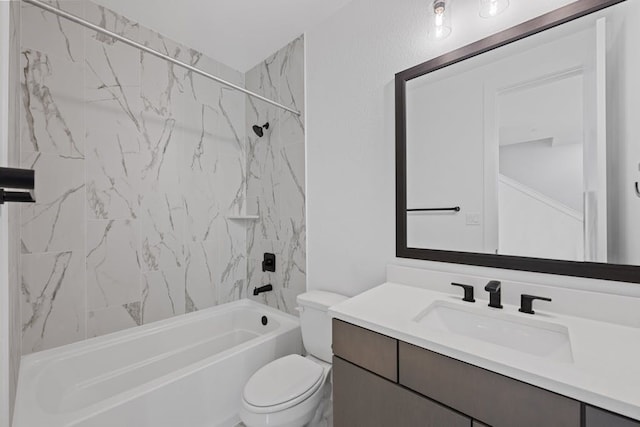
(282, 380)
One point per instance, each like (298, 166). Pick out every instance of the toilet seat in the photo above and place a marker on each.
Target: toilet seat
(283, 383)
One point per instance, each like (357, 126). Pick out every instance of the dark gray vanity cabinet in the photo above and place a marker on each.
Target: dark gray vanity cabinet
(484, 395)
(380, 381)
(363, 399)
(367, 349)
(595, 417)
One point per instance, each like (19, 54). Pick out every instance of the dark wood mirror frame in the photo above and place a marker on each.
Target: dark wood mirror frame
(617, 272)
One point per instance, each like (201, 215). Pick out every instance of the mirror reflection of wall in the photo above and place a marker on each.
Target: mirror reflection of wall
(540, 181)
(535, 142)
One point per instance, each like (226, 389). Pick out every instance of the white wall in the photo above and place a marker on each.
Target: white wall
(351, 62)
(554, 170)
(623, 134)
(534, 225)
(10, 346)
(4, 252)
(444, 161)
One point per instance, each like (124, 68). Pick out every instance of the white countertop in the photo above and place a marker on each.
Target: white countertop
(605, 371)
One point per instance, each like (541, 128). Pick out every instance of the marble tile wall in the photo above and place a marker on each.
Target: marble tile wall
(276, 177)
(138, 163)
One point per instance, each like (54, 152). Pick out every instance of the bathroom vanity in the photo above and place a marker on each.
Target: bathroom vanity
(425, 355)
(394, 365)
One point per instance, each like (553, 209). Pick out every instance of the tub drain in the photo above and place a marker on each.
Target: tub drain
(265, 320)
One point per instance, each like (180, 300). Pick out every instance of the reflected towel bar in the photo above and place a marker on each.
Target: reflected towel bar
(454, 209)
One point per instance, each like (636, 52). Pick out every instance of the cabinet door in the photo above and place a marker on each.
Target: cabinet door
(484, 395)
(374, 352)
(363, 399)
(595, 417)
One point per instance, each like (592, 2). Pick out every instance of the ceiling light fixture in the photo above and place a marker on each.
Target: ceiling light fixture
(491, 8)
(439, 19)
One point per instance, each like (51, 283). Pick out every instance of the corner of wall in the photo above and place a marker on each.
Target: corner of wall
(10, 304)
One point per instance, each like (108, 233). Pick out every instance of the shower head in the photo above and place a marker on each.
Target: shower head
(259, 130)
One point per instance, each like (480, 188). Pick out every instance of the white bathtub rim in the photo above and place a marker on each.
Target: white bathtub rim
(92, 410)
(94, 343)
(32, 361)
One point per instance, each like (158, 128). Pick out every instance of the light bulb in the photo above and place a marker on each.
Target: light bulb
(491, 8)
(440, 20)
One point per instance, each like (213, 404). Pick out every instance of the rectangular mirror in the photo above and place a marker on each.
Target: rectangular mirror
(522, 150)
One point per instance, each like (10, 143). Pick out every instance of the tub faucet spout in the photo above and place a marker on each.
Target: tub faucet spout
(261, 289)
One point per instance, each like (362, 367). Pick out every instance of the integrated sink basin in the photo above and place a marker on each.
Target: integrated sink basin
(535, 337)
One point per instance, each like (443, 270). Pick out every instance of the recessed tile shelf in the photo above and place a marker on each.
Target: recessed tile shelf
(243, 217)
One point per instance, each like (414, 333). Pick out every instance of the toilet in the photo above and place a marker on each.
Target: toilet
(287, 391)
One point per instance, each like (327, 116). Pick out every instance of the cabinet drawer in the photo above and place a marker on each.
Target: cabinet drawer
(486, 396)
(595, 417)
(370, 350)
(362, 399)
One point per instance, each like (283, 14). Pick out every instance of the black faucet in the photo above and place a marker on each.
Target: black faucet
(468, 292)
(261, 289)
(526, 303)
(493, 287)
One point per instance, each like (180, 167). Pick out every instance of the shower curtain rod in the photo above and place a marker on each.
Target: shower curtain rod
(77, 20)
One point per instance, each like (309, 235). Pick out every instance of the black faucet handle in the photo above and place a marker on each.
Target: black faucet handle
(493, 286)
(526, 303)
(495, 293)
(468, 292)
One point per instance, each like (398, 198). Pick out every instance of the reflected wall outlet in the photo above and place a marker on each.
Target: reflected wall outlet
(473, 219)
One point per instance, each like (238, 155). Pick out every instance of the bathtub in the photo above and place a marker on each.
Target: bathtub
(186, 371)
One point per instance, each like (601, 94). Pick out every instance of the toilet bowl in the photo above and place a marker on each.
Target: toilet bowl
(285, 393)
(288, 391)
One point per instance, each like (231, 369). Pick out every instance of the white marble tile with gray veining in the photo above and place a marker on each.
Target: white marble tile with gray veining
(52, 98)
(150, 159)
(163, 294)
(95, 42)
(201, 276)
(291, 210)
(275, 177)
(45, 32)
(232, 126)
(112, 319)
(162, 81)
(231, 260)
(55, 222)
(113, 154)
(53, 300)
(199, 170)
(161, 231)
(112, 262)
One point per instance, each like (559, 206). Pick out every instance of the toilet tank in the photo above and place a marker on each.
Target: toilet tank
(315, 322)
